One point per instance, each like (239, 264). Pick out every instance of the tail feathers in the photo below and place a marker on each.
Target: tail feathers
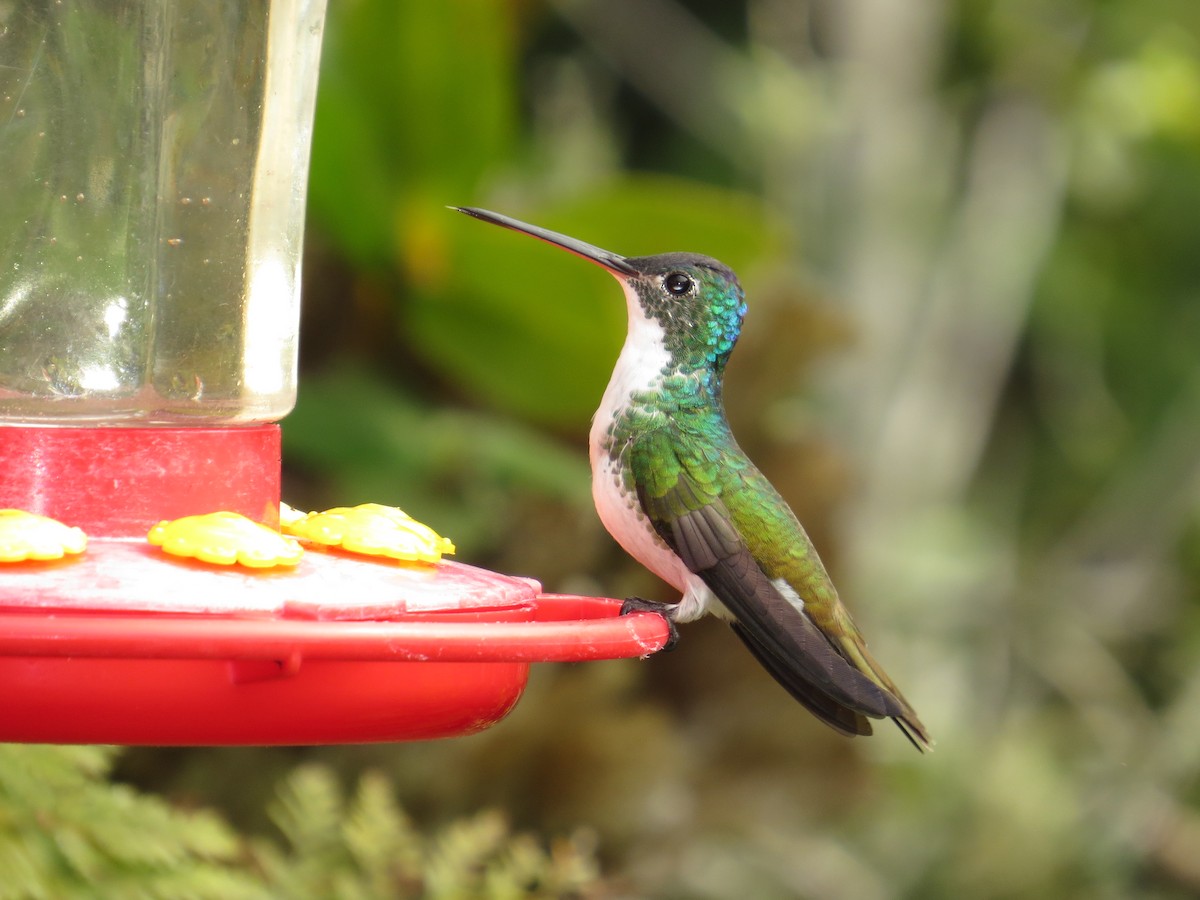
(799, 650)
(838, 717)
(911, 728)
(833, 713)
(907, 721)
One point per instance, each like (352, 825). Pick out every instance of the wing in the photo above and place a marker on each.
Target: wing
(715, 510)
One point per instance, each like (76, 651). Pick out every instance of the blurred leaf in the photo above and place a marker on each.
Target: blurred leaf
(416, 100)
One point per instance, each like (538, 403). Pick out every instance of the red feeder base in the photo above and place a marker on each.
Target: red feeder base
(166, 680)
(126, 645)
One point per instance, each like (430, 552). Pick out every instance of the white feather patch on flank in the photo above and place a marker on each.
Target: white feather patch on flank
(698, 600)
(789, 594)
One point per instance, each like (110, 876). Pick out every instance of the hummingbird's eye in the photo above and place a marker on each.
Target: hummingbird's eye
(678, 283)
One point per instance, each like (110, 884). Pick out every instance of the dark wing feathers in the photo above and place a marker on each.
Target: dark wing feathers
(829, 711)
(689, 514)
(801, 651)
(704, 536)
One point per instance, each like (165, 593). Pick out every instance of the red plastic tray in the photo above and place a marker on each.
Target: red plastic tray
(209, 680)
(126, 645)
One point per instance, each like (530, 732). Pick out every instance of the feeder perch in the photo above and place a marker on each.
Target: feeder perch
(154, 181)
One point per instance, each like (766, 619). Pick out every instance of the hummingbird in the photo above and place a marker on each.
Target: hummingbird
(675, 490)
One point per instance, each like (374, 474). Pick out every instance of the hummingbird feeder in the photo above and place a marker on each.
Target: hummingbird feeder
(156, 158)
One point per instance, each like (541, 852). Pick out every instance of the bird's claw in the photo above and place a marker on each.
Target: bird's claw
(638, 604)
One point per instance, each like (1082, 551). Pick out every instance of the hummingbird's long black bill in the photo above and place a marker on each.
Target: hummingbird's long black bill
(611, 261)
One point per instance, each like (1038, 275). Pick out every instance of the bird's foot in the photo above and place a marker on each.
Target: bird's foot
(638, 604)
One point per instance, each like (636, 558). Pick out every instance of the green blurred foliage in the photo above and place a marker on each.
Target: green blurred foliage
(66, 832)
(970, 363)
(366, 847)
(445, 74)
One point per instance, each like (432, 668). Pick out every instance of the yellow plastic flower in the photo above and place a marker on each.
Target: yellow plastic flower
(225, 538)
(26, 535)
(373, 530)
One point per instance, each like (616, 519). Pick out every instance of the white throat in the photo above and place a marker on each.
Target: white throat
(640, 367)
